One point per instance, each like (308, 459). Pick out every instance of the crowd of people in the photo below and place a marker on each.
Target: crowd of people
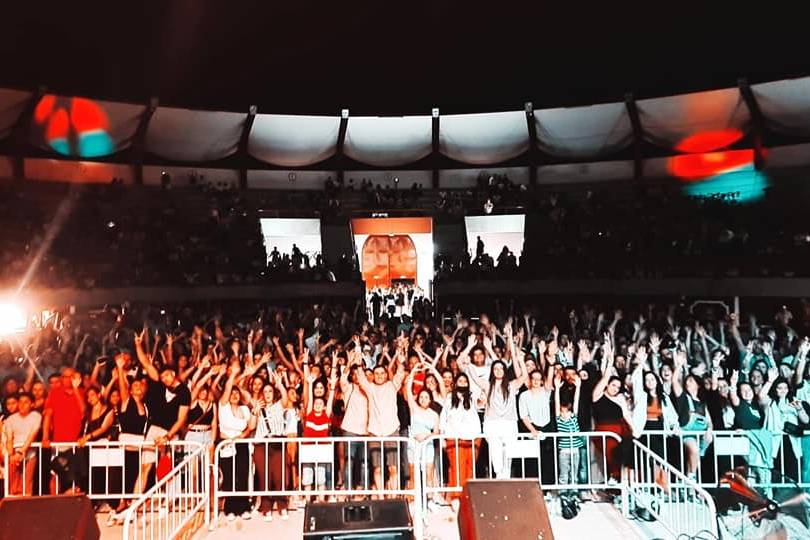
(119, 235)
(137, 373)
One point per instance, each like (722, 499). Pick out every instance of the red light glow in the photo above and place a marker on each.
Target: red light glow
(709, 141)
(696, 166)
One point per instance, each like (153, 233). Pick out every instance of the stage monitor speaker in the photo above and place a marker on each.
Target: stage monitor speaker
(503, 510)
(368, 520)
(54, 518)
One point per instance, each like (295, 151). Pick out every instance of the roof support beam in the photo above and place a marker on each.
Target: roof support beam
(435, 146)
(19, 132)
(638, 135)
(242, 150)
(139, 141)
(341, 140)
(757, 122)
(534, 156)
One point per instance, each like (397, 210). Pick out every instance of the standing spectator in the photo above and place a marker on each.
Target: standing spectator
(355, 419)
(460, 423)
(501, 416)
(235, 422)
(21, 430)
(133, 421)
(693, 413)
(566, 410)
(317, 422)
(268, 457)
(534, 408)
(62, 423)
(612, 413)
(382, 417)
(424, 423)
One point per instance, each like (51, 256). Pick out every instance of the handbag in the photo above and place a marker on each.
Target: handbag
(164, 466)
(227, 450)
(792, 429)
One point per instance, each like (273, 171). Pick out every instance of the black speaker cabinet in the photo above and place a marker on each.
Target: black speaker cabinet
(503, 510)
(369, 520)
(55, 518)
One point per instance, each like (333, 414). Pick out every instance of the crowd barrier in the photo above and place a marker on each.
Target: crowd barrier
(770, 463)
(447, 462)
(106, 470)
(324, 467)
(173, 503)
(678, 503)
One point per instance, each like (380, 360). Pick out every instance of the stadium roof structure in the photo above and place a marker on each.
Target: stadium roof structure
(39, 124)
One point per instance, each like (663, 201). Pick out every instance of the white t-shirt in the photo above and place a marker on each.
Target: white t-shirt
(18, 427)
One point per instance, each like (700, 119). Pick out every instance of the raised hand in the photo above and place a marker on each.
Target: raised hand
(773, 373)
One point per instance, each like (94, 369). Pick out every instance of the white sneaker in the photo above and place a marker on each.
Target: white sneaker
(231, 517)
(454, 504)
(268, 516)
(285, 515)
(246, 516)
(111, 519)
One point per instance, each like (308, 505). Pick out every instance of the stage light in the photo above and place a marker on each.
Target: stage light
(12, 319)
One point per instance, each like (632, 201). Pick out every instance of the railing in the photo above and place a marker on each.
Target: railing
(679, 504)
(315, 467)
(559, 461)
(769, 467)
(173, 502)
(99, 469)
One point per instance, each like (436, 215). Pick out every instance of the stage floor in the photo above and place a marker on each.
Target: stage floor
(602, 520)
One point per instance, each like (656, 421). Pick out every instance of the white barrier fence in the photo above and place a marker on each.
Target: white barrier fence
(173, 502)
(769, 458)
(315, 467)
(107, 470)
(679, 504)
(560, 461)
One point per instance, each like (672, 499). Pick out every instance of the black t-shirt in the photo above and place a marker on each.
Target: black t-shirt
(164, 403)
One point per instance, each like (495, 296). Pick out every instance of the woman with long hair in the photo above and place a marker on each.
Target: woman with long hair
(693, 414)
(424, 423)
(133, 421)
(785, 415)
(500, 414)
(459, 420)
(268, 457)
(235, 422)
(751, 417)
(611, 412)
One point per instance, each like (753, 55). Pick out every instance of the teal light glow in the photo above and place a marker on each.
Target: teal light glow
(60, 145)
(744, 185)
(95, 143)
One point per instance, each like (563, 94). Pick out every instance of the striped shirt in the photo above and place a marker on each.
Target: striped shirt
(569, 425)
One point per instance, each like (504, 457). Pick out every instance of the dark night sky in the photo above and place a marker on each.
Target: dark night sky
(316, 56)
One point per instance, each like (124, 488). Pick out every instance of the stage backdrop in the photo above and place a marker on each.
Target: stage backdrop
(395, 254)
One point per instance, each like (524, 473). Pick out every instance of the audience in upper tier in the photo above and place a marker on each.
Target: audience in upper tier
(140, 373)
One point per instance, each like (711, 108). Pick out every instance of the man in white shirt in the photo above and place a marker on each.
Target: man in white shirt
(534, 408)
(355, 419)
(383, 420)
(21, 429)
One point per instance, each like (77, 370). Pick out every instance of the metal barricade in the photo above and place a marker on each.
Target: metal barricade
(286, 467)
(769, 466)
(678, 503)
(173, 503)
(99, 469)
(559, 461)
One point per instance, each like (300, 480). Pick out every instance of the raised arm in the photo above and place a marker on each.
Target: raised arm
(679, 361)
(607, 365)
(233, 373)
(764, 398)
(144, 359)
(733, 395)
